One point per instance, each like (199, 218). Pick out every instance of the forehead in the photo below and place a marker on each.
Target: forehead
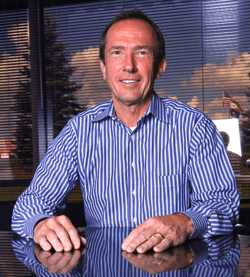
(131, 31)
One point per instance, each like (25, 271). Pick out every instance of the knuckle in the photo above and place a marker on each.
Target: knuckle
(64, 220)
(145, 235)
(157, 238)
(72, 231)
(42, 239)
(39, 238)
(63, 217)
(52, 220)
(165, 243)
(172, 229)
(50, 223)
(51, 236)
(60, 231)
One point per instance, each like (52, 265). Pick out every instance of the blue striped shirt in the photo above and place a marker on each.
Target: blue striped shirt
(173, 161)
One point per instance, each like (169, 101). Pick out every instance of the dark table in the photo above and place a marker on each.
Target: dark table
(220, 256)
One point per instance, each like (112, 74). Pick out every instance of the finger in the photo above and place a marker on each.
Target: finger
(55, 258)
(166, 255)
(149, 258)
(62, 263)
(40, 254)
(53, 239)
(49, 240)
(141, 234)
(164, 244)
(72, 234)
(150, 243)
(134, 259)
(45, 234)
(135, 239)
(43, 242)
(72, 262)
(84, 250)
(45, 255)
(64, 238)
(145, 262)
(135, 233)
(83, 240)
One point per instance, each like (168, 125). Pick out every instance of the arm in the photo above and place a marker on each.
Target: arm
(46, 197)
(214, 200)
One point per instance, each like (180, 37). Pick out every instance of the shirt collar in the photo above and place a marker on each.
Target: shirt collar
(159, 109)
(109, 110)
(156, 108)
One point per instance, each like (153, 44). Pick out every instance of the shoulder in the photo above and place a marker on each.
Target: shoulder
(94, 113)
(179, 106)
(177, 109)
(84, 120)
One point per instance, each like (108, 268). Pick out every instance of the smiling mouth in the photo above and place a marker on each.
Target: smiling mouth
(129, 81)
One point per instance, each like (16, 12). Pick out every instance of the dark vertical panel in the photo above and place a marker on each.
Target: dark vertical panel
(37, 80)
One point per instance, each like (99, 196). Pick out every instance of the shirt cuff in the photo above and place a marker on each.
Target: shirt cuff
(200, 223)
(31, 223)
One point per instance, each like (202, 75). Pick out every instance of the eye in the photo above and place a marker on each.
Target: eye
(116, 52)
(142, 53)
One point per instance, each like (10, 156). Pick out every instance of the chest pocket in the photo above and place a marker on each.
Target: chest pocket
(169, 195)
(171, 181)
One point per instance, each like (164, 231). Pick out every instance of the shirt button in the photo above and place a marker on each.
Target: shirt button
(134, 192)
(135, 219)
(133, 164)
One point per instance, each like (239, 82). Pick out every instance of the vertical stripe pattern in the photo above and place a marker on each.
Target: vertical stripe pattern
(174, 161)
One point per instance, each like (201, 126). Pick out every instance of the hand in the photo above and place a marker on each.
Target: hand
(159, 233)
(58, 262)
(175, 258)
(59, 233)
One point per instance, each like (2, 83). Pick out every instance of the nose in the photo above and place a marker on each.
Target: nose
(129, 63)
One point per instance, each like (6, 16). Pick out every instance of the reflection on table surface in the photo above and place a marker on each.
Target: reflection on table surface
(103, 256)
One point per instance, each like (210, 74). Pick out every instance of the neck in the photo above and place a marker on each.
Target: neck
(130, 114)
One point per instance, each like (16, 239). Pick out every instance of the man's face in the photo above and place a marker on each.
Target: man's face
(129, 61)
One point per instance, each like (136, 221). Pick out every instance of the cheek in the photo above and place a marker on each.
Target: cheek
(147, 69)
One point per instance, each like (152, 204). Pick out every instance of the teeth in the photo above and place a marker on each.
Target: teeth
(129, 81)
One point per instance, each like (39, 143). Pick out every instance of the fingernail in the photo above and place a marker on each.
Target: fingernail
(140, 249)
(76, 246)
(59, 249)
(124, 246)
(130, 249)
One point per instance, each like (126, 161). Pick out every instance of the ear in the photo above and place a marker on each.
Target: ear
(103, 69)
(161, 68)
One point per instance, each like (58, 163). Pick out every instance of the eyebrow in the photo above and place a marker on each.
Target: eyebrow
(116, 48)
(138, 47)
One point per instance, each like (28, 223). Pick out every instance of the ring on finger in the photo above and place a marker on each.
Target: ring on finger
(159, 262)
(160, 235)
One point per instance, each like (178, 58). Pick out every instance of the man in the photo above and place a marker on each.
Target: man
(144, 162)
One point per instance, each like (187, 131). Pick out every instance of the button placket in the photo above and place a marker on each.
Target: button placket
(133, 184)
